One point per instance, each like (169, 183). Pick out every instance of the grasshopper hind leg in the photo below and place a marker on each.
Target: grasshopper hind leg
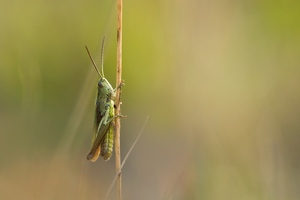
(108, 143)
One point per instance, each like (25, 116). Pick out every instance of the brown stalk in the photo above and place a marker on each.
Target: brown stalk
(118, 100)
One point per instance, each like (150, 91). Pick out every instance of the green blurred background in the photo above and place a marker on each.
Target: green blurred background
(220, 81)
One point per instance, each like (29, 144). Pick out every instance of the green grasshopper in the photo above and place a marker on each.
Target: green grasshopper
(104, 125)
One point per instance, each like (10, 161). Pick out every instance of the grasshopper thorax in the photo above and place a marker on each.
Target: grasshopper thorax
(103, 83)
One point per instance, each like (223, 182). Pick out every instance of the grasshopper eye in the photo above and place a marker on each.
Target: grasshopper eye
(100, 84)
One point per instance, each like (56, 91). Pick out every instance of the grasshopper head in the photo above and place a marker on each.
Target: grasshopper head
(101, 82)
(104, 85)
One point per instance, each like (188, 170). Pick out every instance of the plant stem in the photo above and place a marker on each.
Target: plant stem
(118, 100)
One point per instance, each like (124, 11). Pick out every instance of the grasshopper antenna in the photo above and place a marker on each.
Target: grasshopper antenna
(102, 54)
(94, 61)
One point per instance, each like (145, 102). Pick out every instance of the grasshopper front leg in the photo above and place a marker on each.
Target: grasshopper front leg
(120, 86)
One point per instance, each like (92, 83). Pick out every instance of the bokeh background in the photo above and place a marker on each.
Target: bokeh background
(220, 81)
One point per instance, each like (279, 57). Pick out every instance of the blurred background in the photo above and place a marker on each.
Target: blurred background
(220, 81)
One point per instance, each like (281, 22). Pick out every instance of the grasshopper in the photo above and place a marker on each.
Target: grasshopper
(104, 125)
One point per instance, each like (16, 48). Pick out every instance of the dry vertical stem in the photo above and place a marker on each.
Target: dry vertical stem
(118, 99)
